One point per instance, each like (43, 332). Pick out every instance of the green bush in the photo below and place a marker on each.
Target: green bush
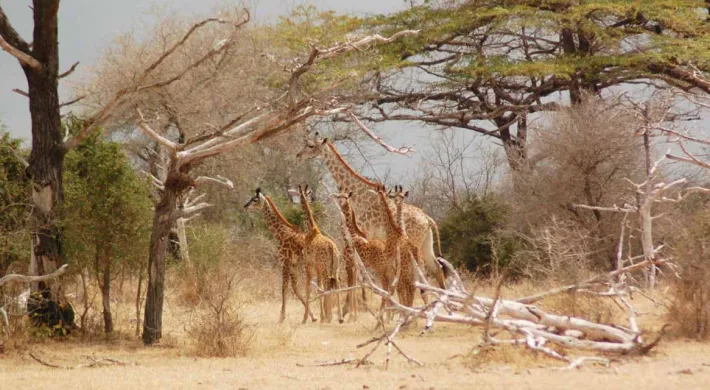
(472, 237)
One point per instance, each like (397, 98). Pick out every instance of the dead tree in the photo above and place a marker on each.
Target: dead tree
(259, 123)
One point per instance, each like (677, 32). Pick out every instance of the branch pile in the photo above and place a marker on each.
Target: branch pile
(525, 324)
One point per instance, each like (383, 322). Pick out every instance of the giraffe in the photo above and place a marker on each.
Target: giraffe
(368, 207)
(373, 252)
(322, 259)
(291, 244)
(397, 244)
(351, 304)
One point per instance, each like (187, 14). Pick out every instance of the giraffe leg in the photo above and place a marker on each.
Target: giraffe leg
(336, 286)
(285, 275)
(297, 291)
(328, 299)
(350, 306)
(309, 277)
(333, 279)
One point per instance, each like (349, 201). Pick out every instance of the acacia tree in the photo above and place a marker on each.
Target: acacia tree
(100, 183)
(487, 66)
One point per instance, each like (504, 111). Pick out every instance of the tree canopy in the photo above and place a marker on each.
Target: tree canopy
(485, 65)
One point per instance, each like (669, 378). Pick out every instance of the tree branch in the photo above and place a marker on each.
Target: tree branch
(12, 42)
(25, 59)
(75, 100)
(68, 72)
(21, 92)
(107, 110)
(16, 278)
(218, 180)
(188, 212)
(691, 160)
(404, 150)
(172, 146)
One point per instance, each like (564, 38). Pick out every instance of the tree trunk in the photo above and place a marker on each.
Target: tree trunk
(182, 239)
(106, 290)
(46, 158)
(162, 223)
(646, 219)
(85, 287)
(139, 301)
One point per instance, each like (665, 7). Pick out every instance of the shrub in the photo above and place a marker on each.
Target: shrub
(689, 306)
(471, 235)
(220, 331)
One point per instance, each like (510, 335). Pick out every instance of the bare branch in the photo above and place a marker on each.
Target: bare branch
(24, 58)
(189, 212)
(606, 278)
(405, 151)
(154, 180)
(21, 92)
(75, 100)
(107, 110)
(218, 180)
(70, 71)
(615, 208)
(172, 146)
(16, 278)
(691, 160)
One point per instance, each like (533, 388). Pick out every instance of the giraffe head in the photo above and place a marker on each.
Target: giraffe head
(343, 199)
(305, 193)
(257, 202)
(314, 147)
(398, 194)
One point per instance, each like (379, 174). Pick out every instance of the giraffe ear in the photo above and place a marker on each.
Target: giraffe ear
(350, 194)
(406, 194)
(325, 140)
(258, 190)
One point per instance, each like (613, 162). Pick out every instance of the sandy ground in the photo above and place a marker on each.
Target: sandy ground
(280, 356)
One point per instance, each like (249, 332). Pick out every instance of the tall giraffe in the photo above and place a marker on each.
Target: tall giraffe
(322, 259)
(369, 209)
(398, 246)
(373, 252)
(291, 244)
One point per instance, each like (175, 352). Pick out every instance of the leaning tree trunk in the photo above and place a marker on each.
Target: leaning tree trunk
(163, 220)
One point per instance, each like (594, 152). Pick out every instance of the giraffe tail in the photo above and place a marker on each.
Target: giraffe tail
(435, 228)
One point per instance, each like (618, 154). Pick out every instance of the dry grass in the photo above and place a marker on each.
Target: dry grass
(282, 355)
(272, 362)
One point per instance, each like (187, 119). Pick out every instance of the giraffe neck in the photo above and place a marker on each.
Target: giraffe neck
(393, 226)
(275, 221)
(352, 226)
(309, 213)
(343, 174)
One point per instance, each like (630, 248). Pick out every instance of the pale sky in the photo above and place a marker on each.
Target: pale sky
(86, 27)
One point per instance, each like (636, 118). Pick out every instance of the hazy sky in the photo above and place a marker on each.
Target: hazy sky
(86, 27)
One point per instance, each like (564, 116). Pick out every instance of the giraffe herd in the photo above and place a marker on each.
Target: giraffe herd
(387, 233)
